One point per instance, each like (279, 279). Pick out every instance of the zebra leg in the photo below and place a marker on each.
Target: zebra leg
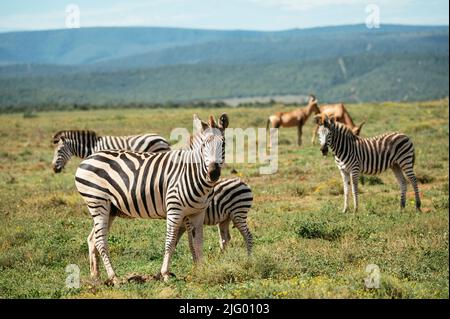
(190, 240)
(93, 256)
(196, 222)
(402, 182)
(354, 179)
(409, 172)
(174, 222)
(102, 224)
(224, 234)
(180, 233)
(346, 182)
(240, 222)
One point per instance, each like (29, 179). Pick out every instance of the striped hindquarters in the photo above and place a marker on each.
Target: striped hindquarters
(230, 199)
(379, 153)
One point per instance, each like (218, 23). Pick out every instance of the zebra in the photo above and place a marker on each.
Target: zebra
(82, 143)
(174, 185)
(231, 200)
(354, 155)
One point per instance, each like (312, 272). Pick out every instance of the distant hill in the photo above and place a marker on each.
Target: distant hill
(156, 65)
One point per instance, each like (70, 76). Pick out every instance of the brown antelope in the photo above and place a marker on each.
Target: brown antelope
(340, 114)
(296, 118)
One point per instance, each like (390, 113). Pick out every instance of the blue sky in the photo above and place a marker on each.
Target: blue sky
(219, 14)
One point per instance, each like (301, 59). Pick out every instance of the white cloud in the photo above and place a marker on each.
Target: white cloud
(304, 5)
(137, 13)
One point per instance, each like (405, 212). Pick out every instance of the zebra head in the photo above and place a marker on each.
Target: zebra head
(326, 125)
(63, 152)
(210, 140)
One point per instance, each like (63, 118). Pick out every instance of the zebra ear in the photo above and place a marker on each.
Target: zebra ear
(57, 139)
(212, 122)
(199, 125)
(223, 121)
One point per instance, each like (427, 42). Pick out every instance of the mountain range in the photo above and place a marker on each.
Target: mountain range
(145, 65)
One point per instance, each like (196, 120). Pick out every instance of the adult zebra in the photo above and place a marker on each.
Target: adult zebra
(82, 143)
(231, 199)
(355, 155)
(175, 185)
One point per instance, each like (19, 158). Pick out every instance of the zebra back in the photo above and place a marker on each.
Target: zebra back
(83, 143)
(372, 155)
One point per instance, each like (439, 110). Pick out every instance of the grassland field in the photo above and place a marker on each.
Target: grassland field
(305, 247)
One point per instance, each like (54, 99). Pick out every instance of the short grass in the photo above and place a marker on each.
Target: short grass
(305, 247)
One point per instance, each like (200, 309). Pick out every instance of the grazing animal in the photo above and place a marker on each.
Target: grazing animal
(296, 118)
(174, 185)
(355, 155)
(231, 201)
(84, 143)
(340, 114)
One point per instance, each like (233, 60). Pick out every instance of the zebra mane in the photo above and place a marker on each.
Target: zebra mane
(193, 138)
(344, 129)
(72, 133)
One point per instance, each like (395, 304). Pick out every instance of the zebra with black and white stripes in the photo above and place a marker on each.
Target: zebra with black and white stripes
(355, 155)
(175, 185)
(231, 199)
(82, 143)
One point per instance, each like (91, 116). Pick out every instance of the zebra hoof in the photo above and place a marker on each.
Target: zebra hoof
(140, 279)
(164, 277)
(114, 281)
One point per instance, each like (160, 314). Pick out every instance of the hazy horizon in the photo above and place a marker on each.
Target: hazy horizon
(211, 29)
(246, 15)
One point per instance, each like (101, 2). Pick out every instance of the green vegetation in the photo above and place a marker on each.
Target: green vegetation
(305, 247)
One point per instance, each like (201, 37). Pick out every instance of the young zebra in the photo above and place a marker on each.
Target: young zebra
(231, 201)
(84, 143)
(175, 185)
(355, 155)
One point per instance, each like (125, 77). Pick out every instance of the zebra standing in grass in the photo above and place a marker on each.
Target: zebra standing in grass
(175, 185)
(84, 143)
(355, 155)
(231, 200)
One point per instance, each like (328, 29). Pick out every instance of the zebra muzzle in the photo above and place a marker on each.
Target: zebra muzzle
(324, 150)
(214, 172)
(57, 169)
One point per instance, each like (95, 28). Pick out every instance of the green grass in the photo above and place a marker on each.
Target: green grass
(304, 246)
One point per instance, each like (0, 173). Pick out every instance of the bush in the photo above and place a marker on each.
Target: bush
(323, 230)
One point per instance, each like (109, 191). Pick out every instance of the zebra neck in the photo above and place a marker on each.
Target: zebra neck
(82, 148)
(341, 143)
(195, 156)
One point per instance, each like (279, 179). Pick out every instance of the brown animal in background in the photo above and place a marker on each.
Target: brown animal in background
(296, 118)
(340, 114)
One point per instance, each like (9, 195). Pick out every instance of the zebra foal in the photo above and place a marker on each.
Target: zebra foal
(354, 155)
(82, 143)
(174, 185)
(231, 199)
